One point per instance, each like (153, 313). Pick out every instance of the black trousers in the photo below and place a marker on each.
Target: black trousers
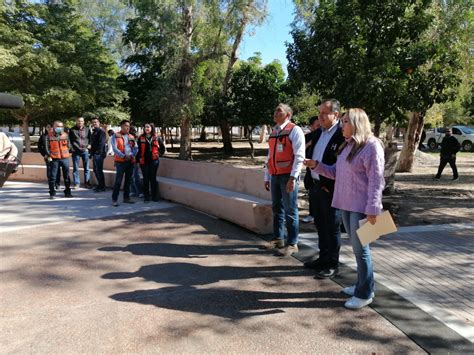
(328, 222)
(444, 160)
(54, 167)
(150, 185)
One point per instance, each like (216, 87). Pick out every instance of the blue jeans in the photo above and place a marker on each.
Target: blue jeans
(327, 220)
(121, 169)
(54, 169)
(135, 181)
(365, 275)
(98, 160)
(149, 179)
(285, 209)
(75, 166)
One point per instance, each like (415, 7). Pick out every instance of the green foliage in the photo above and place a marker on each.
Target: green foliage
(254, 92)
(109, 19)
(387, 57)
(304, 104)
(160, 58)
(54, 61)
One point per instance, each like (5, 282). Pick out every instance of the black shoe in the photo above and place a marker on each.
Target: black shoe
(455, 178)
(99, 189)
(88, 185)
(68, 195)
(314, 264)
(51, 197)
(327, 273)
(436, 177)
(128, 201)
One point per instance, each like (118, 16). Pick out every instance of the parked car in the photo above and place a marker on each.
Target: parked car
(464, 135)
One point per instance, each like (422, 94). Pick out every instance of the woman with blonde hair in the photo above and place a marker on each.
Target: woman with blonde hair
(358, 190)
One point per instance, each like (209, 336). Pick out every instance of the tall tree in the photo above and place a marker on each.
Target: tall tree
(59, 66)
(179, 37)
(377, 55)
(254, 92)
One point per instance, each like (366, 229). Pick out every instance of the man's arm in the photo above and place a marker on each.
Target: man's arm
(117, 152)
(73, 141)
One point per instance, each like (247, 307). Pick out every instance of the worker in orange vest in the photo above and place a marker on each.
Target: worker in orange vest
(57, 148)
(285, 159)
(151, 147)
(125, 149)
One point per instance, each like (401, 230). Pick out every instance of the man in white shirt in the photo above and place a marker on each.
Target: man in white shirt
(285, 160)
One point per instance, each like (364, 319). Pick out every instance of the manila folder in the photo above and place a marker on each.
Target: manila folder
(383, 225)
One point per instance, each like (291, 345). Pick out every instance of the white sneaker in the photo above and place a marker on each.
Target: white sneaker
(357, 303)
(351, 290)
(308, 219)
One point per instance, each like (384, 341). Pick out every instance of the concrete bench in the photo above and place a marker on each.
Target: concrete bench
(234, 194)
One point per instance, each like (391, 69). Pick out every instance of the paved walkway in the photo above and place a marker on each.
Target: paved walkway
(170, 280)
(431, 267)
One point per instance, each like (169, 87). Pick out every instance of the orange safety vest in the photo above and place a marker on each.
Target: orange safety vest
(281, 155)
(155, 148)
(58, 146)
(121, 146)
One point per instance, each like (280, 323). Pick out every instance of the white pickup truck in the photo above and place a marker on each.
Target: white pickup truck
(464, 135)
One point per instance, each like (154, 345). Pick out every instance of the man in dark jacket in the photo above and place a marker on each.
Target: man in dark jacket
(98, 153)
(449, 147)
(324, 147)
(80, 137)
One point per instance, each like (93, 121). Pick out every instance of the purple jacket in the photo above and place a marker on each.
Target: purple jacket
(359, 184)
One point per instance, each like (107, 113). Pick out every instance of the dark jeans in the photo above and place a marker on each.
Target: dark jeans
(48, 172)
(328, 222)
(149, 179)
(285, 209)
(54, 167)
(445, 159)
(76, 157)
(98, 160)
(121, 169)
(135, 185)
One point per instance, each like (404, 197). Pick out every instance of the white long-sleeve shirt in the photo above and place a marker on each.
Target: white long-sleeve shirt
(296, 137)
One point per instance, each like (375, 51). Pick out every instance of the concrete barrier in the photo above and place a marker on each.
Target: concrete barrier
(231, 193)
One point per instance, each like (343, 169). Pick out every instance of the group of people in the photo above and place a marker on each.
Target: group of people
(80, 142)
(345, 176)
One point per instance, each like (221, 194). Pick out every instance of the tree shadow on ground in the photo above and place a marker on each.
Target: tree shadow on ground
(229, 303)
(187, 274)
(184, 250)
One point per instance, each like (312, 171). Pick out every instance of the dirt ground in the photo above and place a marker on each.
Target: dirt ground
(418, 198)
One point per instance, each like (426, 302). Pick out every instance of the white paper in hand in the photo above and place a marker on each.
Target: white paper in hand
(369, 232)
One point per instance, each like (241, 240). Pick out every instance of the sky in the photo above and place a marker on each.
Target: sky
(270, 38)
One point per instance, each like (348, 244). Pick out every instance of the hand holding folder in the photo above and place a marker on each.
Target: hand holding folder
(369, 232)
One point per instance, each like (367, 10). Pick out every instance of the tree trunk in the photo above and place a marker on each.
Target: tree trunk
(226, 138)
(412, 139)
(252, 150)
(26, 133)
(391, 157)
(185, 83)
(263, 133)
(185, 141)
